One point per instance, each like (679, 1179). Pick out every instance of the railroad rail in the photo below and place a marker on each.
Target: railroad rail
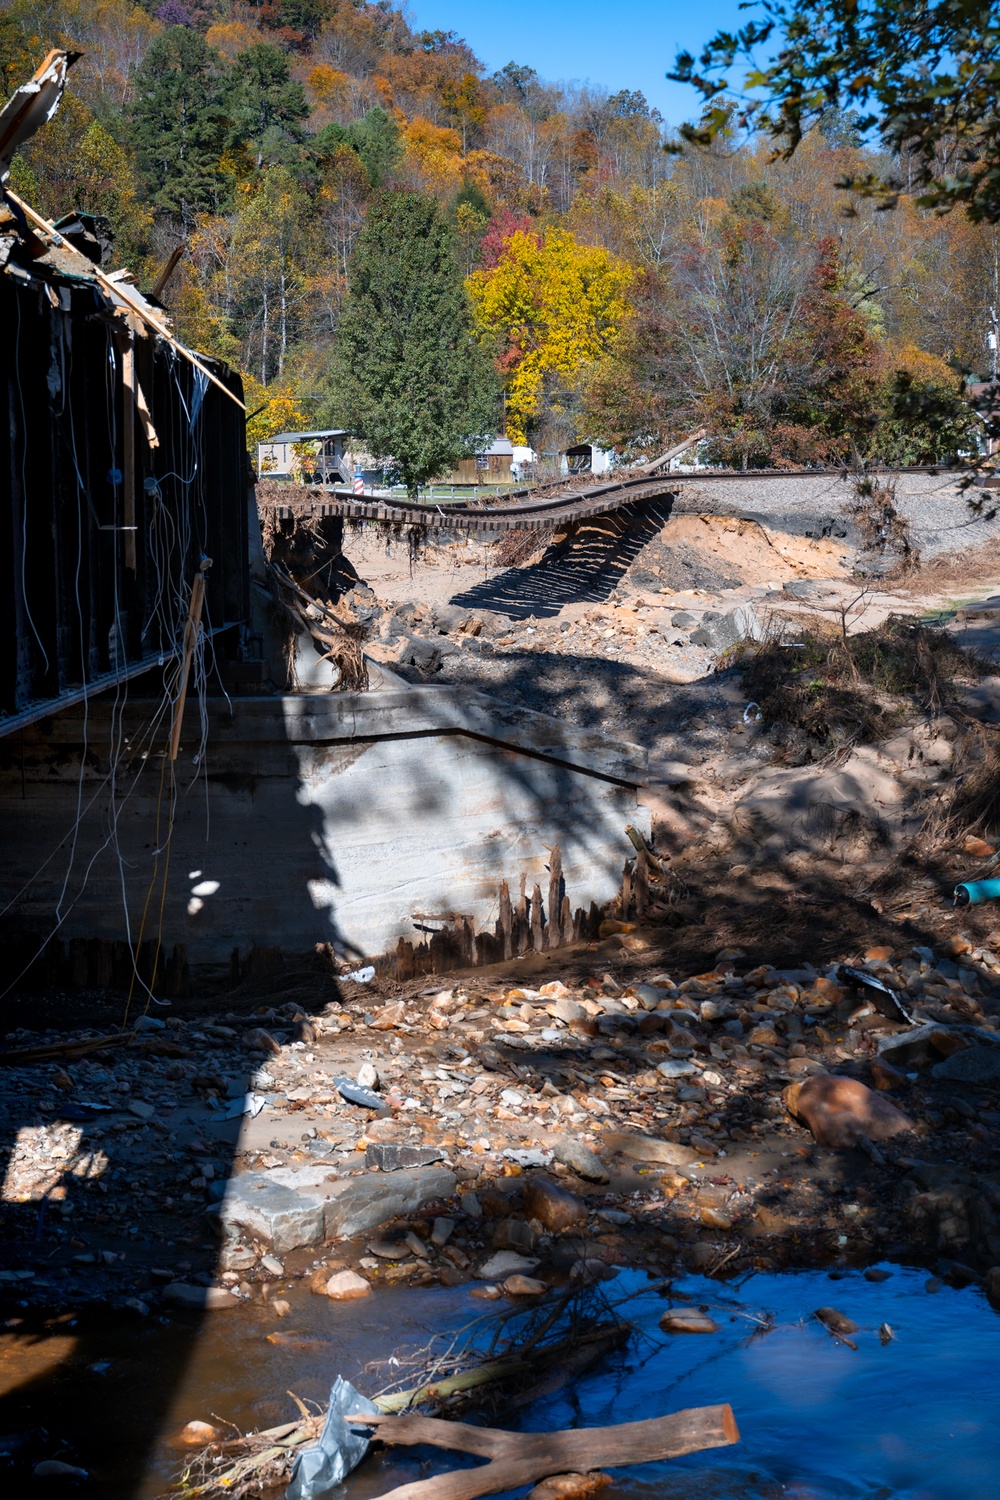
(555, 502)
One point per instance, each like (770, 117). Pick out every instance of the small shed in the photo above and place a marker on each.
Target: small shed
(489, 465)
(314, 457)
(586, 458)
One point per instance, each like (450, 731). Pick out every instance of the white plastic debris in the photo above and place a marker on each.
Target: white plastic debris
(362, 976)
(341, 1447)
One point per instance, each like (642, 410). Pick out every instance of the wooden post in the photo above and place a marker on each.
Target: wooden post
(190, 640)
(537, 932)
(128, 448)
(506, 922)
(553, 936)
(641, 883)
(626, 889)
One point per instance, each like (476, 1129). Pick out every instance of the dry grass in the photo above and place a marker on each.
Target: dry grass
(843, 691)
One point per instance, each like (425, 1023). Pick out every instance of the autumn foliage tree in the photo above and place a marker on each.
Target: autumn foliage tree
(552, 307)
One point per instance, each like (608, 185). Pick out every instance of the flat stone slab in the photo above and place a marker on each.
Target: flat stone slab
(358, 1204)
(295, 1207)
(283, 1207)
(648, 1148)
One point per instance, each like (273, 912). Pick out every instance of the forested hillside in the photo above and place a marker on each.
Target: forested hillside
(627, 292)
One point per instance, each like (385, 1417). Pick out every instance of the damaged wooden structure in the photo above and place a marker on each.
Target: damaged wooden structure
(122, 461)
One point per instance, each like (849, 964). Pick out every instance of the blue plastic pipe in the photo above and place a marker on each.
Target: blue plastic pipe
(974, 892)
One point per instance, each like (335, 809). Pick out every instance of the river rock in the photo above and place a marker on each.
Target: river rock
(199, 1298)
(196, 1434)
(513, 1234)
(54, 1468)
(553, 1205)
(648, 1148)
(836, 1321)
(975, 1065)
(912, 1049)
(259, 1040)
(687, 1320)
(506, 1263)
(676, 1067)
(524, 1286)
(347, 1286)
(838, 1110)
(885, 1076)
(581, 1160)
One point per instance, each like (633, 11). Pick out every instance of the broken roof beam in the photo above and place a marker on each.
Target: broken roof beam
(120, 292)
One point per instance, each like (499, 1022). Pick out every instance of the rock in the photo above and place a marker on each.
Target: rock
(616, 1216)
(196, 1434)
(441, 1232)
(368, 1076)
(281, 1308)
(648, 1148)
(570, 1486)
(911, 1049)
(524, 1286)
(347, 1286)
(974, 1065)
(584, 1162)
(838, 1110)
(390, 1157)
(199, 1298)
(141, 1110)
(978, 848)
(885, 1076)
(272, 1265)
(701, 1256)
(714, 1218)
(355, 1094)
(148, 1023)
(361, 1203)
(876, 1273)
(513, 1234)
(687, 1320)
(553, 1205)
(837, 1322)
(675, 1067)
(259, 1040)
(880, 954)
(505, 1263)
(283, 1207)
(470, 1206)
(389, 1249)
(54, 1468)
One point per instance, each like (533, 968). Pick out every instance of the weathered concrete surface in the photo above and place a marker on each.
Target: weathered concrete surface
(292, 1207)
(344, 818)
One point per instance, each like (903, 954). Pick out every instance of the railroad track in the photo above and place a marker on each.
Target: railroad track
(557, 501)
(532, 514)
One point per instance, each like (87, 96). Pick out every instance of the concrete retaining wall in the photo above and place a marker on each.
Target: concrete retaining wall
(317, 817)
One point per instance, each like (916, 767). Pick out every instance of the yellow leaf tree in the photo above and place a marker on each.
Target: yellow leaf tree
(553, 307)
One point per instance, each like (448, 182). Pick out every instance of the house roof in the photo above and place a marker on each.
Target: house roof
(305, 437)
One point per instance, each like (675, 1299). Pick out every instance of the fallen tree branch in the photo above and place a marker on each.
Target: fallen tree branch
(522, 1458)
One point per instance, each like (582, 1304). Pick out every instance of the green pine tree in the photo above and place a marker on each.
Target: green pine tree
(408, 377)
(266, 104)
(178, 125)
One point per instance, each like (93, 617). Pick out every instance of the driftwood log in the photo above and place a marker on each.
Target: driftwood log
(522, 1458)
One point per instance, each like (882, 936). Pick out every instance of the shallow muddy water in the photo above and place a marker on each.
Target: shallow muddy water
(914, 1418)
(911, 1419)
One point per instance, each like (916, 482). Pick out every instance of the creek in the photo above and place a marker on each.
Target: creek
(909, 1417)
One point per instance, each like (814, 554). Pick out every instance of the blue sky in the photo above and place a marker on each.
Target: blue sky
(618, 43)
